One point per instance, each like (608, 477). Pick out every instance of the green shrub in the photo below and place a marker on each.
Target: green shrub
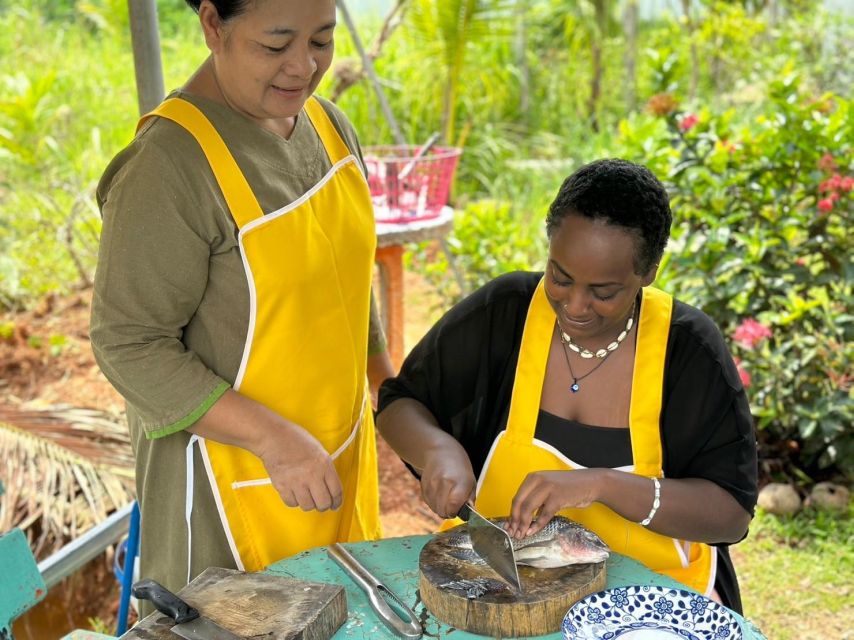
(487, 241)
(761, 242)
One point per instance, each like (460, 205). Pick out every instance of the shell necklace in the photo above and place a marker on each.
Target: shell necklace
(606, 351)
(602, 354)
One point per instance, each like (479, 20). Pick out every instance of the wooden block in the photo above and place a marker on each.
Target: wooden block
(546, 595)
(256, 605)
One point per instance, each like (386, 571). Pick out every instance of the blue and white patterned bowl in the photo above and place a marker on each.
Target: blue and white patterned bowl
(635, 613)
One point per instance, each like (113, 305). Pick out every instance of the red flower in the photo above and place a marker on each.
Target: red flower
(688, 122)
(825, 205)
(749, 332)
(801, 262)
(742, 373)
(834, 196)
(835, 181)
(824, 185)
(827, 163)
(846, 184)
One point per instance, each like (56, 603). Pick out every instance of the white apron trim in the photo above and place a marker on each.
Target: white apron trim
(219, 506)
(189, 499)
(487, 462)
(188, 505)
(569, 461)
(683, 549)
(713, 572)
(269, 217)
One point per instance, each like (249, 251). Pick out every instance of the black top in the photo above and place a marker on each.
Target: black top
(463, 371)
(585, 444)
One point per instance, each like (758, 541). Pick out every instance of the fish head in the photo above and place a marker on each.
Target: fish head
(582, 546)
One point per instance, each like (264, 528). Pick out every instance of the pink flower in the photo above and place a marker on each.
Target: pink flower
(742, 373)
(688, 122)
(824, 185)
(825, 205)
(749, 332)
(801, 262)
(835, 181)
(834, 196)
(846, 184)
(827, 163)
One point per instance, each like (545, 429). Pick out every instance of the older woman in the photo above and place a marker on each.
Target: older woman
(232, 304)
(586, 392)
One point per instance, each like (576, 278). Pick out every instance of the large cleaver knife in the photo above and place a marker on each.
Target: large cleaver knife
(190, 623)
(493, 544)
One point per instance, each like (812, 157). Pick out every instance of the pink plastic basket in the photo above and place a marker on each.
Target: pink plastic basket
(403, 190)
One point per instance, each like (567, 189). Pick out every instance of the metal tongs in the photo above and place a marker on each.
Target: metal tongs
(379, 595)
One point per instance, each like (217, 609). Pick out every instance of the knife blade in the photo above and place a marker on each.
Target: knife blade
(493, 544)
(190, 624)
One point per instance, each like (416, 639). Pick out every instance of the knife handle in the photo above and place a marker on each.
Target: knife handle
(465, 512)
(164, 601)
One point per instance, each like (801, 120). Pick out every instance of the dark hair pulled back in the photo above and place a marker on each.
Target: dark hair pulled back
(226, 9)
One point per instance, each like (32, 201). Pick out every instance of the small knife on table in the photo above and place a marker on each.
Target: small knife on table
(493, 544)
(190, 623)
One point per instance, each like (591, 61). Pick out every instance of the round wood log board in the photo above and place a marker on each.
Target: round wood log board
(546, 595)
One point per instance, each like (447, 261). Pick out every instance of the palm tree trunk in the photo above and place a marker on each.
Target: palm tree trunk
(522, 63)
(695, 64)
(601, 10)
(630, 57)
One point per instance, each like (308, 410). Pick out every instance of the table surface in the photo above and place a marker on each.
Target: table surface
(391, 233)
(394, 562)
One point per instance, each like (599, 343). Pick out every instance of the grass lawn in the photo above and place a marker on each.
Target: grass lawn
(796, 576)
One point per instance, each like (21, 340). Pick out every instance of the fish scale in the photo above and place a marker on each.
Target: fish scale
(560, 543)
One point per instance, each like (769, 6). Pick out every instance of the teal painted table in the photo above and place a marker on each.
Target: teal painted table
(394, 561)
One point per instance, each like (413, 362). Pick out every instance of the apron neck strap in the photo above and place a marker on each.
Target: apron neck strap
(332, 142)
(531, 367)
(647, 378)
(648, 381)
(238, 195)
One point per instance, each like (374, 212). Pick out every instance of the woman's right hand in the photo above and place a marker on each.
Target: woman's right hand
(447, 479)
(300, 469)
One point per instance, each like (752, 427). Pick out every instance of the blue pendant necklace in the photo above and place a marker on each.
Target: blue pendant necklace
(575, 387)
(602, 354)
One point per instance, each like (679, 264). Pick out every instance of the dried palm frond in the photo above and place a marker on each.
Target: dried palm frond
(65, 470)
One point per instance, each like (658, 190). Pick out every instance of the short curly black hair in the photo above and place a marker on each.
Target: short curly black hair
(623, 194)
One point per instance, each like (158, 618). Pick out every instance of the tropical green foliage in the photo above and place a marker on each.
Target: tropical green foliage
(530, 90)
(761, 242)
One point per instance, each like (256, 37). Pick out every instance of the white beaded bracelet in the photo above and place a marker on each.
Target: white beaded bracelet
(656, 502)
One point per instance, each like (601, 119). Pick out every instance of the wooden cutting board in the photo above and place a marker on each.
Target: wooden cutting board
(257, 606)
(546, 595)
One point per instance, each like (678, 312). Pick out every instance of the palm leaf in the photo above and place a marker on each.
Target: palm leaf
(447, 31)
(67, 469)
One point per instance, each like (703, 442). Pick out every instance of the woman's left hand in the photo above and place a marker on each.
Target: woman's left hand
(544, 493)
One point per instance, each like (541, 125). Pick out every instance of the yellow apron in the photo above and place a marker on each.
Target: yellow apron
(515, 452)
(309, 267)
